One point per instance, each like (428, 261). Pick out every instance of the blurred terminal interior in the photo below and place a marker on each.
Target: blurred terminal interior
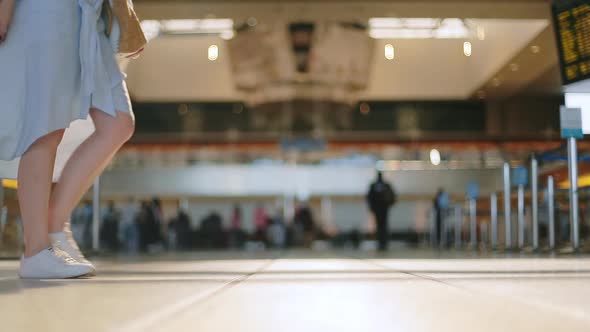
(275, 103)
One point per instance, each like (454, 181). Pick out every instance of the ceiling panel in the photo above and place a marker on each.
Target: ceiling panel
(176, 68)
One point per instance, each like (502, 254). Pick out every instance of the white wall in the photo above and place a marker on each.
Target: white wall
(300, 181)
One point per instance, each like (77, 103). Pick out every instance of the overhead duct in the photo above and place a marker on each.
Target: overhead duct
(301, 61)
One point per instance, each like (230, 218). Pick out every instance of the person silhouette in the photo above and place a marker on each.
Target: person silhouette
(380, 198)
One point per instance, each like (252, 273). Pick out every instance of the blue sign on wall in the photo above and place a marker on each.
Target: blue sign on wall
(520, 176)
(473, 190)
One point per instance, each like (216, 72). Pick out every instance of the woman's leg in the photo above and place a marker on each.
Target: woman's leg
(87, 162)
(35, 175)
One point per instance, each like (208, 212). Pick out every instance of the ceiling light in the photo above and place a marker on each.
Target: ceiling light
(210, 26)
(213, 53)
(467, 48)
(227, 35)
(435, 157)
(418, 28)
(389, 52)
(514, 67)
(535, 49)
(496, 82)
(151, 28)
(422, 23)
(401, 34)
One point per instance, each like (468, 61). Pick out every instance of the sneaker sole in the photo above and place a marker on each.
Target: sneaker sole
(87, 275)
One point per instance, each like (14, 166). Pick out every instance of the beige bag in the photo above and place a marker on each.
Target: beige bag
(124, 28)
(7, 11)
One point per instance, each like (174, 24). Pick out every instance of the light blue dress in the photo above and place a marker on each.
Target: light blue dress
(56, 64)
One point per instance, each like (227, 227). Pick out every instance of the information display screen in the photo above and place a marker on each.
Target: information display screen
(572, 24)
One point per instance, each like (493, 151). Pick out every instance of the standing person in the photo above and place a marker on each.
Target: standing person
(183, 230)
(235, 232)
(143, 225)
(158, 221)
(305, 224)
(441, 204)
(277, 232)
(57, 65)
(260, 222)
(381, 198)
(109, 231)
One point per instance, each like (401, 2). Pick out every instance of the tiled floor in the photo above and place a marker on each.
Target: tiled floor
(304, 291)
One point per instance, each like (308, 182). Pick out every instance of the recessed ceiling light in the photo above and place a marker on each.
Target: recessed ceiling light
(514, 67)
(389, 52)
(418, 28)
(435, 157)
(213, 53)
(467, 48)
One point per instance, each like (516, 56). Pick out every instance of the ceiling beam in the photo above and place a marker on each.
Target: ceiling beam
(342, 10)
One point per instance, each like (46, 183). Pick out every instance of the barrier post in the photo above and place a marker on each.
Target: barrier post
(494, 219)
(551, 211)
(521, 217)
(572, 155)
(535, 199)
(473, 222)
(507, 212)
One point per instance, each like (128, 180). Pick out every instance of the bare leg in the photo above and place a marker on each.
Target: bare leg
(87, 162)
(35, 175)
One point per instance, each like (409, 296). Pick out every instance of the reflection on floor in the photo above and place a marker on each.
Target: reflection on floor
(306, 291)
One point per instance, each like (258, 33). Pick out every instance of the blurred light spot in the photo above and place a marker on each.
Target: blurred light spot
(151, 28)
(496, 82)
(467, 48)
(535, 49)
(389, 52)
(213, 52)
(435, 157)
(418, 28)
(227, 35)
(514, 67)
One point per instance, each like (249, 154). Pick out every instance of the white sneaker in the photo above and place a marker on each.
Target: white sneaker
(52, 263)
(65, 241)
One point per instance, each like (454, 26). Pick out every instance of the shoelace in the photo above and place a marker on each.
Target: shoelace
(60, 253)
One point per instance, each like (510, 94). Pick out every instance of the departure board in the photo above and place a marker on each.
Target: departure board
(572, 25)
